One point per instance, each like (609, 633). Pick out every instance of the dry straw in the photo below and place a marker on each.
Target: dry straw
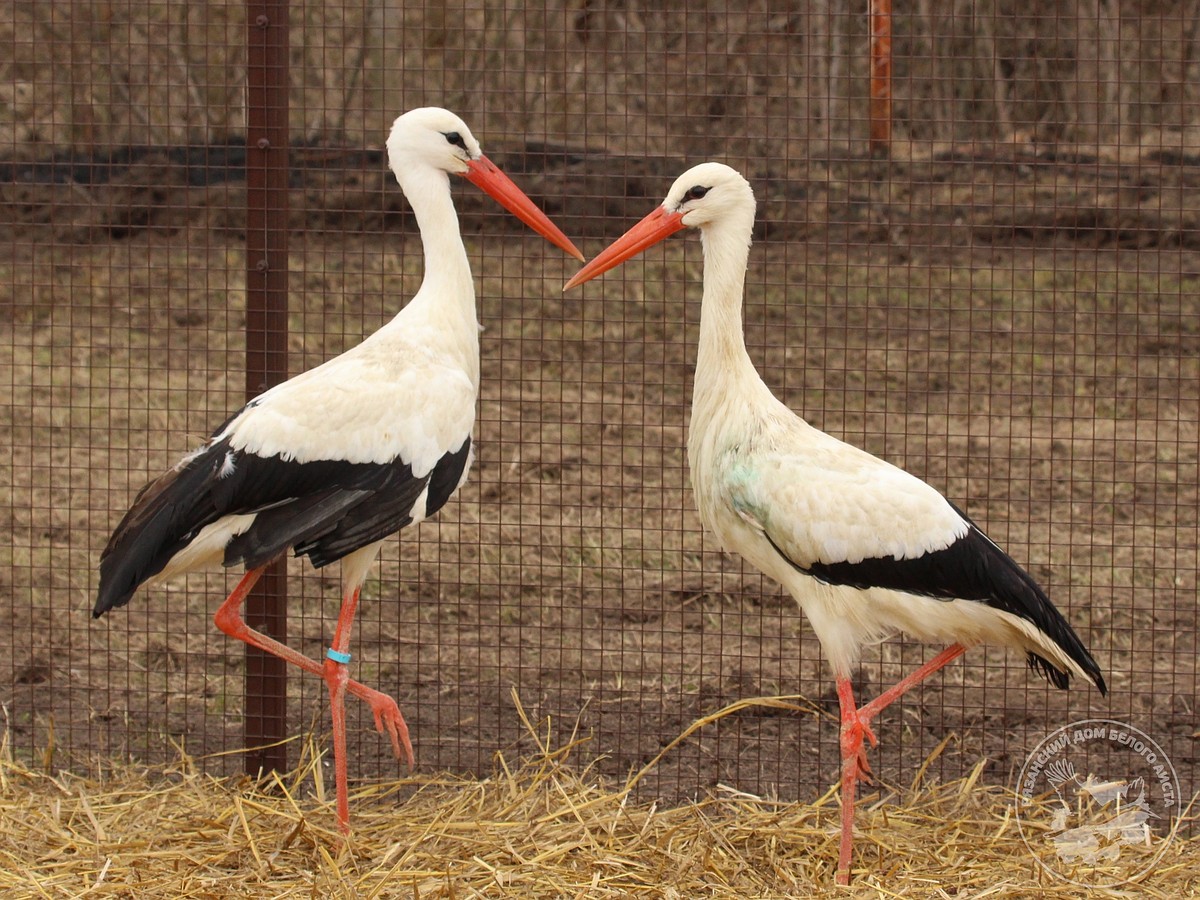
(544, 828)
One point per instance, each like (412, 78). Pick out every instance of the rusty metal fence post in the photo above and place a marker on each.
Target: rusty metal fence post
(881, 77)
(266, 343)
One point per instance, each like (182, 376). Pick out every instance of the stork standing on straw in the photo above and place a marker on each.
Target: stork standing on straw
(866, 549)
(335, 460)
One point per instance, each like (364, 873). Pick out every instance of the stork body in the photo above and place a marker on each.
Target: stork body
(333, 461)
(866, 549)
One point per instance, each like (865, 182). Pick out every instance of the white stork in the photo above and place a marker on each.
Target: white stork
(335, 460)
(866, 549)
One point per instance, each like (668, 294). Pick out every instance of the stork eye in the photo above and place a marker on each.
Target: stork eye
(695, 193)
(456, 139)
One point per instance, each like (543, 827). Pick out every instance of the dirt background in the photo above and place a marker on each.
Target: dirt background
(1020, 326)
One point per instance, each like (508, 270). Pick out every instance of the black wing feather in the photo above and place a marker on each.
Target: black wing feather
(290, 523)
(301, 504)
(972, 568)
(386, 510)
(324, 509)
(444, 479)
(389, 509)
(166, 514)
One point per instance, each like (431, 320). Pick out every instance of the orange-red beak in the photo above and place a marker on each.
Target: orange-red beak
(655, 227)
(484, 173)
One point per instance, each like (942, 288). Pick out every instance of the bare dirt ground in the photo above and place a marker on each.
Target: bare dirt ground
(1023, 333)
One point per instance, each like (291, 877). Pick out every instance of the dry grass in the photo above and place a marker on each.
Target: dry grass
(542, 828)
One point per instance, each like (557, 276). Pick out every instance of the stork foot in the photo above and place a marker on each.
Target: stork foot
(854, 730)
(389, 720)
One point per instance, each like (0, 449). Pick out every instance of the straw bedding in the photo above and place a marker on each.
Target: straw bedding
(541, 828)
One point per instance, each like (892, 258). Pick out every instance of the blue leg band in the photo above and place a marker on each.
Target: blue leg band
(338, 656)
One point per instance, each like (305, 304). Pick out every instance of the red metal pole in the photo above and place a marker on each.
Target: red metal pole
(266, 344)
(881, 77)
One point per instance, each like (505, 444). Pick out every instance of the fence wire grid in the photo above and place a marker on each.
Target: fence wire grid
(1003, 302)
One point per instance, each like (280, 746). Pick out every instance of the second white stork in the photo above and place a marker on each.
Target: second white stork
(333, 461)
(866, 549)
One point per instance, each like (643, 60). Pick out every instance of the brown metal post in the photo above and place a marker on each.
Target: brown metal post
(266, 343)
(881, 77)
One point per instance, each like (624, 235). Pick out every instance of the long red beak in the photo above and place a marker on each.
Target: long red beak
(484, 173)
(657, 226)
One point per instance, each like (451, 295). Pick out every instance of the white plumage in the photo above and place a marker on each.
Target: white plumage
(421, 405)
(866, 549)
(334, 460)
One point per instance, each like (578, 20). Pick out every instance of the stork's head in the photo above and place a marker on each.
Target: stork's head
(432, 137)
(709, 195)
(432, 140)
(709, 192)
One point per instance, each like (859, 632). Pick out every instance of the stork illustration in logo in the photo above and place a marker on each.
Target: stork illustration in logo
(1112, 814)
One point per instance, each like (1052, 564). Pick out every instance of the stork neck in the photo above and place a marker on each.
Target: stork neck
(722, 350)
(447, 281)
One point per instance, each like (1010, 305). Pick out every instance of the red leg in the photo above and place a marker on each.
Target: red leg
(856, 724)
(387, 714)
(853, 758)
(228, 618)
(336, 676)
(876, 706)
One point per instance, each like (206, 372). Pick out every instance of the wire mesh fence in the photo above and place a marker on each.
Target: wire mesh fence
(1004, 304)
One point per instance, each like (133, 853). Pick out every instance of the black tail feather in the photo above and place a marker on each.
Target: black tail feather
(165, 515)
